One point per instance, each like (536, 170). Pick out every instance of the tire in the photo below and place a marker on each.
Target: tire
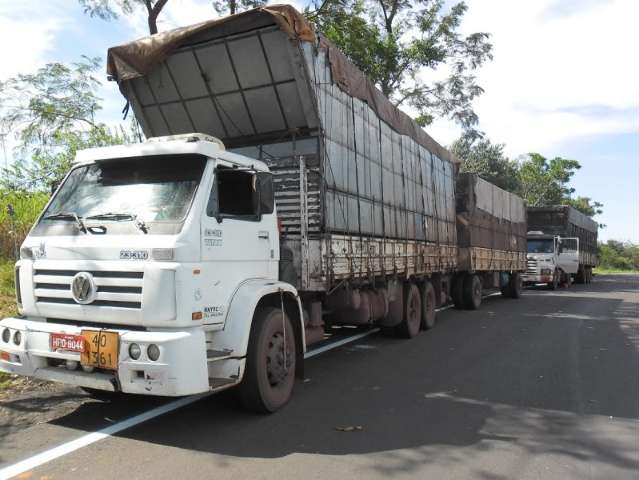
(472, 292)
(412, 318)
(429, 315)
(514, 285)
(555, 282)
(457, 291)
(269, 377)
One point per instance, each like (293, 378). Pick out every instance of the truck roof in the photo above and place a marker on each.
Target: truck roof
(197, 144)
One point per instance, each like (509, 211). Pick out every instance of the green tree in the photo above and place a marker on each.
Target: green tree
(585, 205)
(112, 9)
(231, 7)
(488, 160)
(52, 114)
(618, 255)
(398, 44)
(546, 182)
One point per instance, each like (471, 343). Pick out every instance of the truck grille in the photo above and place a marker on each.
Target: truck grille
(114, 289)
(531, 267)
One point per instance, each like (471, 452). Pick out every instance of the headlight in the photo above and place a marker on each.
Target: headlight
(26, 253)
(17, 337)
(545, 271)
(6, 335)
(135, 351)
(153, 352)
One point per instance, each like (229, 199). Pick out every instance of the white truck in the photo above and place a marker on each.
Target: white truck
(551, 259)
(186, 264)
(562, 246)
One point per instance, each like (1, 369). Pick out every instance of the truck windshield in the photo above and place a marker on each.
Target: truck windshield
(540, 246)
(149, 190)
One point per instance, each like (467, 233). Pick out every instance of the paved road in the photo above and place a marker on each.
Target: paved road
(542, 387)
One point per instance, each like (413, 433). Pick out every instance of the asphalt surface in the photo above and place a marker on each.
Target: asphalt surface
(541, 387)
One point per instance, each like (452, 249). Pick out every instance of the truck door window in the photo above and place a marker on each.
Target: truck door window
(243, 194)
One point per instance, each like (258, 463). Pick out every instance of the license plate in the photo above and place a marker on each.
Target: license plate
(67, 342)
(102, 349)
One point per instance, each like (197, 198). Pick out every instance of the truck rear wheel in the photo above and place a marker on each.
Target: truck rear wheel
(428, 306)
(514, 285)
(412, 320)
(457, 291)
(472, 292)
(269, 375)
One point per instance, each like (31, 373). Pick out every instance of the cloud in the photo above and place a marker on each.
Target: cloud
(561, 71)
(27, 32)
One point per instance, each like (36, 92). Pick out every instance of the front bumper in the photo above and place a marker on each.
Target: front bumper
(537, 278)
(180, 370)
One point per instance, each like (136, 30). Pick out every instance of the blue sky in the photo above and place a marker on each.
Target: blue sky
(564, 81)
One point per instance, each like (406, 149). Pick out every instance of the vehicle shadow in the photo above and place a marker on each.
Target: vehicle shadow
(513, 375)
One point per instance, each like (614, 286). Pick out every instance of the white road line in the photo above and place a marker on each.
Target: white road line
(66, 448)
(61, 450)
(339, 343)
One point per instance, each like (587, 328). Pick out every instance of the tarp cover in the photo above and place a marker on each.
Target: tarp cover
(138, 58)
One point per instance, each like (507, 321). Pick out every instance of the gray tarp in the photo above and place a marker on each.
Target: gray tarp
(138, 58)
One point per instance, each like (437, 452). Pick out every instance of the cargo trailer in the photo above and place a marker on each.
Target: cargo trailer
(203, 261)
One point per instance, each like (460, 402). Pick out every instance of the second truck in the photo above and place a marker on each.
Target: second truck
(562, 246)
(185, 263)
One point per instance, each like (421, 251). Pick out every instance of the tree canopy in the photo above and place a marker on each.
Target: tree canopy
(400, 44)
(488, 161)
(52, 113)
(111, 9)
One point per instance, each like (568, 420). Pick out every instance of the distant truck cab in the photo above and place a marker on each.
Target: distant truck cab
(552, 260)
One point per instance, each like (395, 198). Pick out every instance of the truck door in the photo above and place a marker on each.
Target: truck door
(236, 237)
(569, 254)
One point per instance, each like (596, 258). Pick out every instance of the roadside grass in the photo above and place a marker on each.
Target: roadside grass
(599, 270)
(7, 307)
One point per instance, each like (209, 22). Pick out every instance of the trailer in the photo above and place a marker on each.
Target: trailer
(574, 235)
(204, 261)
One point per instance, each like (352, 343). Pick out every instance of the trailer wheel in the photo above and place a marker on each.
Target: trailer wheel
(412, 320)
(472, 292)
(428, 306)
(457, 291)
(269, 375)
(514, 285)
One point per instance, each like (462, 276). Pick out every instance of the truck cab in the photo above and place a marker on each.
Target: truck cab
(146, 270)
(551, 259)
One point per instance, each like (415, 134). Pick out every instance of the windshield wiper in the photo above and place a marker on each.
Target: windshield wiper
(68, 216)
(121, 216)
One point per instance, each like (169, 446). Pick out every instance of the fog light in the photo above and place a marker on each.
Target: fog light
(72, 364)
(17, 337)
(135, 351)
(153, 352)
(6, 335)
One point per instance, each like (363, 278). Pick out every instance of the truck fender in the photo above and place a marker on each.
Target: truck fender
(249, 295)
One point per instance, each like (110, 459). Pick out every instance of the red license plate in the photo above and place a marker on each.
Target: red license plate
(68, 342)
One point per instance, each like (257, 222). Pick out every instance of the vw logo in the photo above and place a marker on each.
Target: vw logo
(83, 288)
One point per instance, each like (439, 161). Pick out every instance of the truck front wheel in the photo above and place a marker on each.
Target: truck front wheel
(269, 375)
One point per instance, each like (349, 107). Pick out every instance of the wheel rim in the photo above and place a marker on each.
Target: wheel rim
(477, 290)
(413, 311)
(278, 364)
